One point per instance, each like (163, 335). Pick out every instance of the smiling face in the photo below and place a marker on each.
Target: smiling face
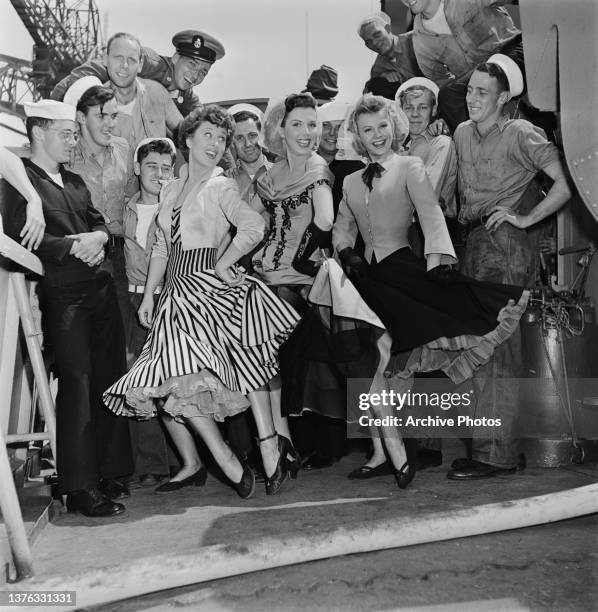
(419, 107)
(207, 144)
(99, 122)
(330, 136)
(246, 141)
(376, 37)
(300, 131)
(154, 169)
(484, 99)
(376, 133)
(188, 71)
(123, 61)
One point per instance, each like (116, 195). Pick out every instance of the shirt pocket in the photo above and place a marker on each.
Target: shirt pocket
(477, 27)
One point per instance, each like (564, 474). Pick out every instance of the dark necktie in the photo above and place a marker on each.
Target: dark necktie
(373, 170)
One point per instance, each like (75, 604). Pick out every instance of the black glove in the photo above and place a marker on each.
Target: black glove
(444, 274)
(313, 238)
(353, 265)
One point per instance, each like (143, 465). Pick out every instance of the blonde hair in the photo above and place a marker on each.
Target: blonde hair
(369, 104)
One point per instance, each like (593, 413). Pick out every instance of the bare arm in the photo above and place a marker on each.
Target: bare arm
(323, 208)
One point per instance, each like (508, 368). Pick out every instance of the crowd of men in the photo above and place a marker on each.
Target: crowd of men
(101, 149)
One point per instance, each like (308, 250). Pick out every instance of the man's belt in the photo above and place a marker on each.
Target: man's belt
(141, 289)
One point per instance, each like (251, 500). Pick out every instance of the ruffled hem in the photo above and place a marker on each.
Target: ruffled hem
(460, 356)
(191, 395)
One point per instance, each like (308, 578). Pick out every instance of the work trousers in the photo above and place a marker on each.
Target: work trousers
(502, 256)
(85, 329)
(150, 450)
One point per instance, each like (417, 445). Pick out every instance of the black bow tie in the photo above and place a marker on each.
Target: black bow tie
(374, 170)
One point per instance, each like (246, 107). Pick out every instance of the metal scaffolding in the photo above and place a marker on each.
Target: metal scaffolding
(65, 33)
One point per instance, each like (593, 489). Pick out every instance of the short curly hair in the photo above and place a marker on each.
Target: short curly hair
(369, 104)
(216, 115)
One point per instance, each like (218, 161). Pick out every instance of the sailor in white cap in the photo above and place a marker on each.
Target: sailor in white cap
(154, 166)
(500, 201)
(395, 62)
(104, 162)
(331, 116)
(418, 99)
(80, 309)
(451, 37)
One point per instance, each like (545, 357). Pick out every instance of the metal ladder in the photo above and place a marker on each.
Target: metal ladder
(15, 309)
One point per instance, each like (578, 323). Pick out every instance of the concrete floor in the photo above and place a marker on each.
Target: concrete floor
(551, 567)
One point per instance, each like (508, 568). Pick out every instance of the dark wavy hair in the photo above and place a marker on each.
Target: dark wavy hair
(162, 147)
(494, 70)
(300, 100)
(97, 95)
(245, 115)
(216, 115)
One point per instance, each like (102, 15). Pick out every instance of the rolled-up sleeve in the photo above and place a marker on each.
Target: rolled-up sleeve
(533, 151)
(249, 224)
(437, 239)
(344, 230)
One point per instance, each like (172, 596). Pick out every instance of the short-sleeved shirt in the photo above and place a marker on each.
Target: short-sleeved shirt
(495, 169)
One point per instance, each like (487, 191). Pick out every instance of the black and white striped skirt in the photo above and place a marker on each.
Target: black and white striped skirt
(209, 343)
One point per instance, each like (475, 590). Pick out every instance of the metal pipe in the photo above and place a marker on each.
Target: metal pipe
(13, 521)
(158, 573)
(27, 437)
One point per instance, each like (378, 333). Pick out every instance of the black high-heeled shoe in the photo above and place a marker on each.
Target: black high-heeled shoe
(407, 471)
(197, 479)
(295, 462)
(246, 486)
(281, 473)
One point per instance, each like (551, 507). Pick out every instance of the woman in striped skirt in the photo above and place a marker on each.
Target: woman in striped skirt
(214, 337)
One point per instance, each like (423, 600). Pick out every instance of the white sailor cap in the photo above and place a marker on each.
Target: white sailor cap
(337, 110)
(380, 17)
(50, 109)
(248, 108)
(511, 70)
(418, 82)
(78, 88)
(148, 140)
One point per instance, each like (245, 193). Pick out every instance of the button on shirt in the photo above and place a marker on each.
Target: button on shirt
(106, 178)
(495, 169)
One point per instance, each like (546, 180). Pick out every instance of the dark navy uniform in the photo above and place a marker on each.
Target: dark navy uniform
(83, 326)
